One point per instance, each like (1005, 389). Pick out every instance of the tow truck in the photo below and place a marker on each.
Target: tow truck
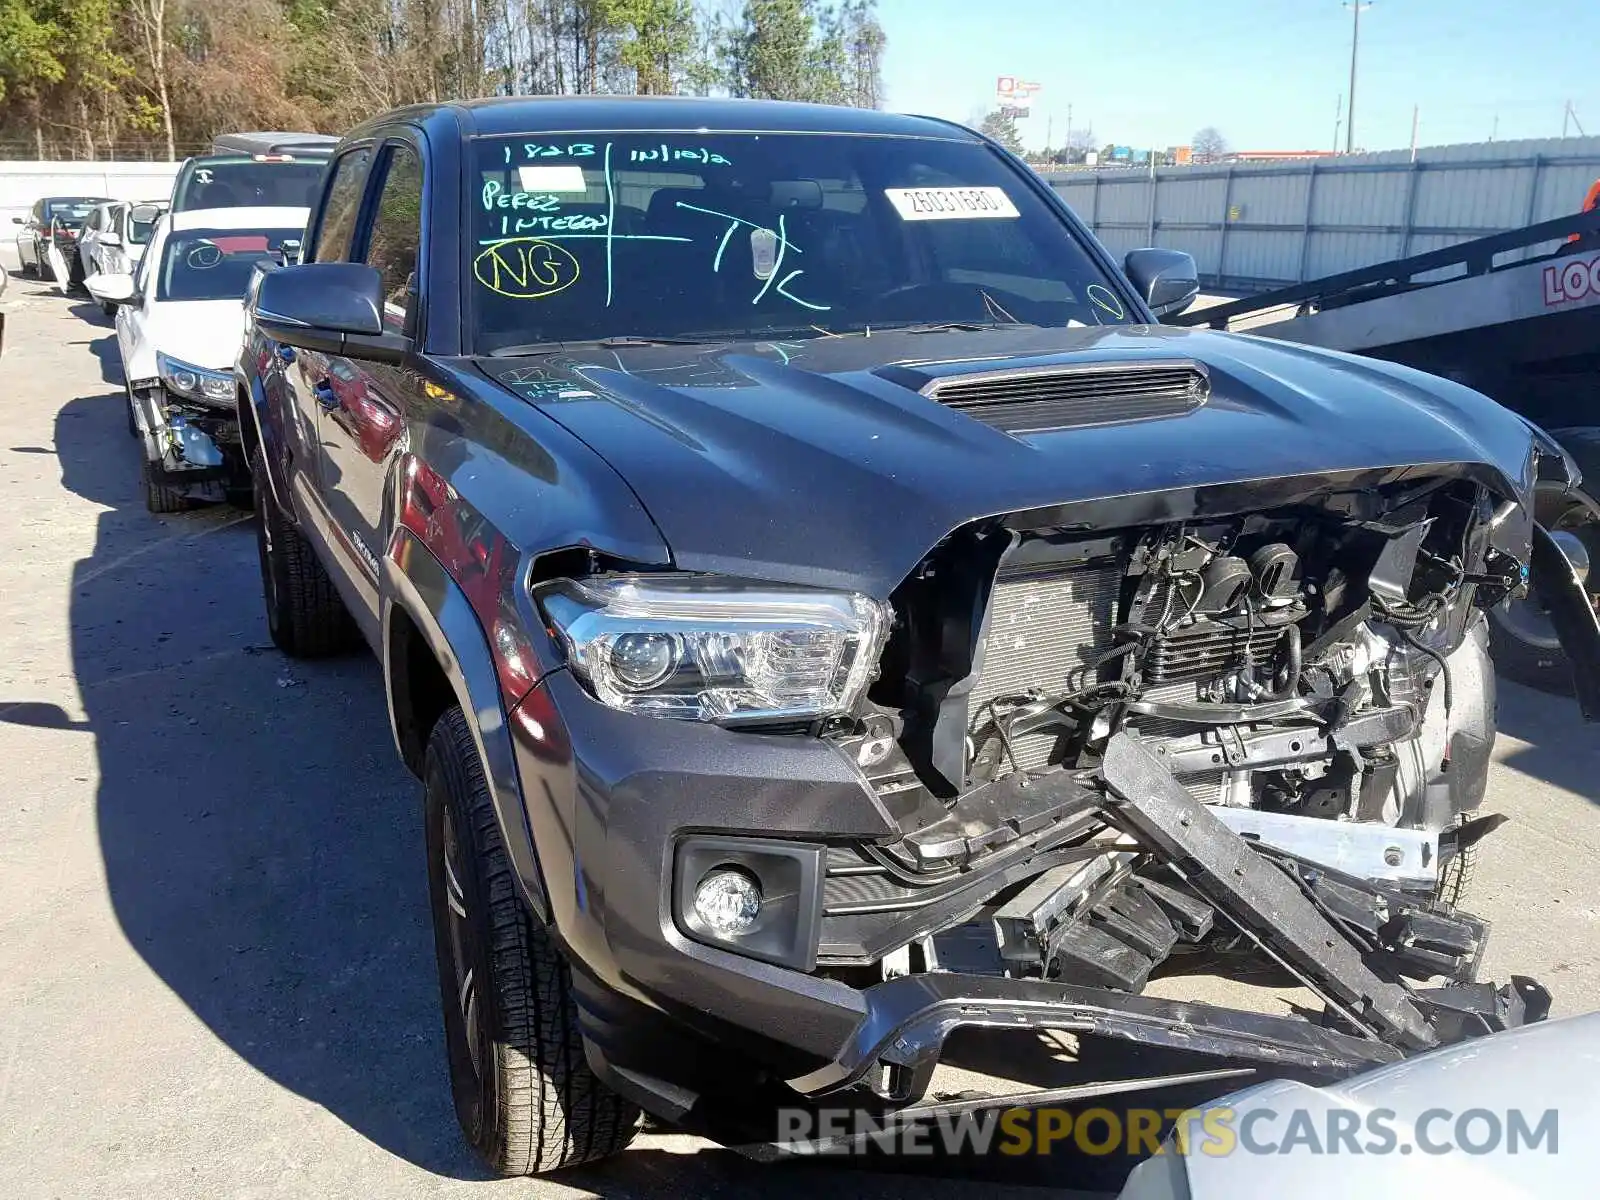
(1515, 316)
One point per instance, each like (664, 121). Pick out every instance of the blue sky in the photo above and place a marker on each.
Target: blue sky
(1267, 73)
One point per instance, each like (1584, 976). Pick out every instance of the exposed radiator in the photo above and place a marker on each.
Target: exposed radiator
(1046, 624)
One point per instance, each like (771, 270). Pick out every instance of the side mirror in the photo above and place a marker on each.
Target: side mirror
(1167, 279)
(109, 238)
(291, 252)
(146, 214)
(18, 221)
(336, 308)
(112, 288)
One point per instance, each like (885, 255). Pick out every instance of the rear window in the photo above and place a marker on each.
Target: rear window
(215, 264)
(247, 183)
(70, 213)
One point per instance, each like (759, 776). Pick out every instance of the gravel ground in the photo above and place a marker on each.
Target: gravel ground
(216, 974)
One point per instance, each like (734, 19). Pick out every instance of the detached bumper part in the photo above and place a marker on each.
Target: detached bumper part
(908, 1020)
(1093, 922)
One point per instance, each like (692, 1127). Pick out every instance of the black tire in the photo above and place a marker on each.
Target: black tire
(108, 308)
(159, 497)
(133, 425)
(524, 1094)
(305, 614)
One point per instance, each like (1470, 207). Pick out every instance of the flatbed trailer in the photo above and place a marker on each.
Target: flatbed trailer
(1504, 315)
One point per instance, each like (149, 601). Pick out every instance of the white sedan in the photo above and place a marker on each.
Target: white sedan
(114, 237)
(180, 318)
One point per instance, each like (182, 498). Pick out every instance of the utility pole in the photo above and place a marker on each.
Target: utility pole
(1416, 113)
(1338, 120)
(1355, 7)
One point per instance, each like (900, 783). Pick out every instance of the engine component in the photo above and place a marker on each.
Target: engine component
(1276, 569)
(1045, 630)
(1227, 585)
(1209, 648)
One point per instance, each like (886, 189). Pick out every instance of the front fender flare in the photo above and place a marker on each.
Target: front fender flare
(416, 583)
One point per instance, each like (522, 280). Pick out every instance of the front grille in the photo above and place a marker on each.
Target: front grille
(1072, 397)
(1046, 625)
(1206, 650)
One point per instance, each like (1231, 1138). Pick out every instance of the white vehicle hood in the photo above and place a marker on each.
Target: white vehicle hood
(1551, 1065)
(202, 333)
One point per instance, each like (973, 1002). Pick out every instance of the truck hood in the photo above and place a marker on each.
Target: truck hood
(810, 462)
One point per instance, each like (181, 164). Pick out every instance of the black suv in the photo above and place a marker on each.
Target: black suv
(826, 609)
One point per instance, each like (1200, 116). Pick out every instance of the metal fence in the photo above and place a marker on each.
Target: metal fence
(1256, 226)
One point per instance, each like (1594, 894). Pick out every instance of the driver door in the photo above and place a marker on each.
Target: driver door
(364, 417)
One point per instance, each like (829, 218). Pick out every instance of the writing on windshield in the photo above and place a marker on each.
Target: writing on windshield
(594, 235)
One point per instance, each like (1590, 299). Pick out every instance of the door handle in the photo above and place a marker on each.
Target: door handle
(286, 353)
(323, 391)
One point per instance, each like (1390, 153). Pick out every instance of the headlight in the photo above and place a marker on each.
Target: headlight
(705, 649)
(213, 387)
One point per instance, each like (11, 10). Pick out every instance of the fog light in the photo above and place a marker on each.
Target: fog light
(728, 901)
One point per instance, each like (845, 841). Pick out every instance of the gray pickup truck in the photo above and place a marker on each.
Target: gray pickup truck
(826, 609)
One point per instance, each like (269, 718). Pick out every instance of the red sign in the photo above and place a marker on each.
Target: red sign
(1575, 279)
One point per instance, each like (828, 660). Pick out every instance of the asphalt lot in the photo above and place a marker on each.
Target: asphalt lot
(216, 974)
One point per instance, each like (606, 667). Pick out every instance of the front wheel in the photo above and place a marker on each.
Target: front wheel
(159, 496)
(524, 1094)
(305, 614)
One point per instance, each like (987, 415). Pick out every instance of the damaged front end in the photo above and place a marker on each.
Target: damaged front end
(190, 438)
(1120, 752)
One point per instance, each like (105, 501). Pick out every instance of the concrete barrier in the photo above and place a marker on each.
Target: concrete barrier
(21, 183)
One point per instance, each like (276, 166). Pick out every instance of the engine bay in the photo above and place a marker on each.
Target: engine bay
(1263, 732)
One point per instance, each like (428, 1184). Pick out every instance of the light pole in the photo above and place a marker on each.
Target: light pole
(1355, 7)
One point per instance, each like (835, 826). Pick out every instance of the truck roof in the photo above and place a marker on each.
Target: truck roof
(559, 114)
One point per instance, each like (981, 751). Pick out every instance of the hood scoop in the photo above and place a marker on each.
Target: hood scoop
(1046, 398)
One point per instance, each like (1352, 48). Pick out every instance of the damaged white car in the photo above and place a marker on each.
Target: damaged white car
(180, 317)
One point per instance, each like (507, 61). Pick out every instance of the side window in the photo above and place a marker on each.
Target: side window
(396, 237)
(343, 206)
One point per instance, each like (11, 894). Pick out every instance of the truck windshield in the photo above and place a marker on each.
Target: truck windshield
(215, 264)
(745, 236)
(247, 183)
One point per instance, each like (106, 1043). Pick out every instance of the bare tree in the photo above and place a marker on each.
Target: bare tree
(150, 19)
(1209, 145)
